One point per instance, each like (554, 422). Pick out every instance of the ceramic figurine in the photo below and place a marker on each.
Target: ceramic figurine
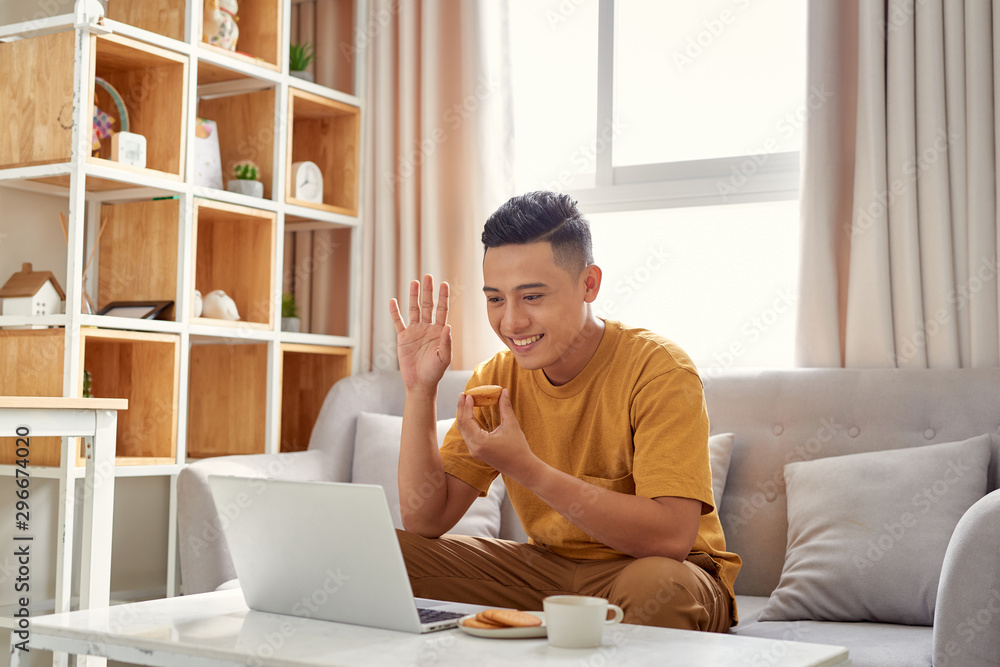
(219, 23)
(219, 306)
(197, 303)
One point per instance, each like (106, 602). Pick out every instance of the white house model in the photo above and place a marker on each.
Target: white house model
(30, 292)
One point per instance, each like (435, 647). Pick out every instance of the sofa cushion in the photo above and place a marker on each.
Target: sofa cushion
(376, 460)
(867, 533)
(869, 644)
(720, 451)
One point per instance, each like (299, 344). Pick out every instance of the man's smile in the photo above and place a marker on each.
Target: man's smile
(525, 342)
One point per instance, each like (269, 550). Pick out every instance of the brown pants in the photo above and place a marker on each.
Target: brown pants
(476, 570)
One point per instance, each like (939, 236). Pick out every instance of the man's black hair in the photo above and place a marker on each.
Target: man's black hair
(543, 216)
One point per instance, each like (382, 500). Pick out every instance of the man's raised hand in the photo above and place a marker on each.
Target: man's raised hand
(424, 347)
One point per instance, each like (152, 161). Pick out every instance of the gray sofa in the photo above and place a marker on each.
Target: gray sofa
(778, 417)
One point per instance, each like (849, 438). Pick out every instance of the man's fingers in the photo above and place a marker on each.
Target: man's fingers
(427, 299)
(414, 308)
(442, 309)
(446, 344)
(397, 319)
(506, 409)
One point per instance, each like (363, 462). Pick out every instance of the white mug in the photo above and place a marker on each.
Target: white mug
(577, 621)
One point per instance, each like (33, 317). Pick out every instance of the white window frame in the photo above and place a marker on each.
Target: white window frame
(719, 181)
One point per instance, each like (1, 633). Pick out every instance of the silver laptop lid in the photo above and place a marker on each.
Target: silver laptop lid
(317, 550)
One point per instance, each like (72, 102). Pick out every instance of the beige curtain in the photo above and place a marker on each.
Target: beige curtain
(899, 191)
(438, 127)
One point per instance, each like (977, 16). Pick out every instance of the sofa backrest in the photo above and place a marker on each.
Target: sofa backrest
(778, 416)
(781, 416)
(380, 392)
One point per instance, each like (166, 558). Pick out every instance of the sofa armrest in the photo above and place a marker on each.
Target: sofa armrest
(204, 553)
(967, 612)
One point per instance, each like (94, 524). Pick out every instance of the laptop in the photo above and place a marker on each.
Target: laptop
(323, 550)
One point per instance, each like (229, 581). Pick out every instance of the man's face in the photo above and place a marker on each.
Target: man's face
(536, 307)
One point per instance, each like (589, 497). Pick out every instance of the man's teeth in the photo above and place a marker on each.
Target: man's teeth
(526, 341)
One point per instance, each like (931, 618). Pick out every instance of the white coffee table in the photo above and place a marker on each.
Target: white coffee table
(213, 629)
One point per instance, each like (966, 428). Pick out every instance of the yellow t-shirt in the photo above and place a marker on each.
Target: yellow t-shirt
(633, 421)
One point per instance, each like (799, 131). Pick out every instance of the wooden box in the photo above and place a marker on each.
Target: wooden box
(328, 133)
(307, 373)
(139, 253)
(145, 369)
(259, 42)
(31, 363)
(318, 268)
(227, 399)
(164, 17)
(151, 81)
(234, 252)
(140, 367)
(245, 124)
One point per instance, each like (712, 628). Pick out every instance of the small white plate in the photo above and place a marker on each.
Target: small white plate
(506, 633)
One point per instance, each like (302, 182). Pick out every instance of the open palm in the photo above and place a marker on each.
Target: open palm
(424, 347)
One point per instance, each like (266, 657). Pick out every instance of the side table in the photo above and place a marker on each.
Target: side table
(95, 420)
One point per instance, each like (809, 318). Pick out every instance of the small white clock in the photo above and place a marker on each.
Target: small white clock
(128, 148)
(307, 182)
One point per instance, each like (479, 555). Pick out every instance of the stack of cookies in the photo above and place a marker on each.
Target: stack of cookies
(499, 619)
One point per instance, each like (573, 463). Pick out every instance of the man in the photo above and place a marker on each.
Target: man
(601, 437)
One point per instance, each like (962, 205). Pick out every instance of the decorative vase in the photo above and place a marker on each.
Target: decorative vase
(291, 324)
(244, 187)
(302, 74)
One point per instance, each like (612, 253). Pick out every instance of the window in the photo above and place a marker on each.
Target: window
(677, 125)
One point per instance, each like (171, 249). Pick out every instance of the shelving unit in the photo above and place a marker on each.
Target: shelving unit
(196, 386)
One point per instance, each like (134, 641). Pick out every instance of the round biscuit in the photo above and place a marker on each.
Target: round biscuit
(474, 622)
(483, 395)
(511, 617)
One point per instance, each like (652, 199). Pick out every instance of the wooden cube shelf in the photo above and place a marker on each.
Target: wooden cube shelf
(234, 252)
(246, 131)
(138, 253)
(145, 369)
(259, 42)
(31, 364)
(318, 267)
(227, 399)
(164, 17)
(328, 133)
(307, 373)
(152, 83)
(141, 367)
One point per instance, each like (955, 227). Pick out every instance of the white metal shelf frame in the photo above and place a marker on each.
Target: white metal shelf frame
(85, 205)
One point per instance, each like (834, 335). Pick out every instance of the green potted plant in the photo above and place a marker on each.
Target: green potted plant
(299, 57)
(289, 314)
(245, 181)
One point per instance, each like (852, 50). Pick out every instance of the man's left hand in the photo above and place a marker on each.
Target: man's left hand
(504, 448)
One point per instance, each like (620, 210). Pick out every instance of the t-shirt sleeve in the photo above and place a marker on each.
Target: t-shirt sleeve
(455, 456)
(671, 438)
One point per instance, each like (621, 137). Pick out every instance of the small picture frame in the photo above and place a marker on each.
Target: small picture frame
(140, 310)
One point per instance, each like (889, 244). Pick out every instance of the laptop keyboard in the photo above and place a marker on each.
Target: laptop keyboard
(434, 615)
